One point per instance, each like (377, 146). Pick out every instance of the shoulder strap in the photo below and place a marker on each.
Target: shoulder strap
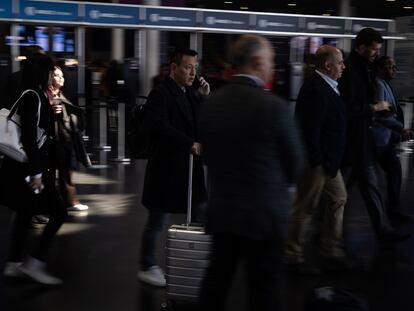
(13, 109)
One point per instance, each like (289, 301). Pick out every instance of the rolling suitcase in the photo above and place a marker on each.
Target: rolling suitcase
(188, 249)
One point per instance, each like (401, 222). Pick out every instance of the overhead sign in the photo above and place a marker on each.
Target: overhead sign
(277, 23)
(137, 16)
(111, 14)
(380, 26)
(170, 17)
(324, 25)
(6, 9)
(48, 11)
(225, 20)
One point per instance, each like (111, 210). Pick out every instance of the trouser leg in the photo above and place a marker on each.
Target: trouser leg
(57, 215)
(156, 222)
(391, 165)
(20, 229)
(223, 262)
(368, 185)
(309, 189)
(332, 232)
(262, 262)
(67, 187)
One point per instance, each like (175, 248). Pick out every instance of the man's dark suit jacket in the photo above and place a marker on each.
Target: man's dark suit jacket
(172, 125)
(321, 115)
(357, 91)
(252, 149)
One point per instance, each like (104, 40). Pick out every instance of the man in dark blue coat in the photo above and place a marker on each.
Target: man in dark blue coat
(252, 150)
(171, 115)
(321, 115)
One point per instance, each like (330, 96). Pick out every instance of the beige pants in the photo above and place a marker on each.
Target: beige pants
(314, 183)
(67, 187)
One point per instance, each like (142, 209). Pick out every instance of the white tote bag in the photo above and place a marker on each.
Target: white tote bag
(10, 132)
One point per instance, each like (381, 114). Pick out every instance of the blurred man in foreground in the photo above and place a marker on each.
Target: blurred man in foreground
(252, 150)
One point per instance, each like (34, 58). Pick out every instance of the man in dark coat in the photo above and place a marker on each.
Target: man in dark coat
(252, 150)
(321, 115)
(357, 90)
(172, 114)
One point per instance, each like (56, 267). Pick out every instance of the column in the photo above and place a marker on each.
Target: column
(117, 50)
(14, 48)
(80, 55)
(148, 50)
(345, 9)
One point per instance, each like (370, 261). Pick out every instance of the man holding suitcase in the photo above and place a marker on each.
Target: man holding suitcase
(171, 115)
(252, 150)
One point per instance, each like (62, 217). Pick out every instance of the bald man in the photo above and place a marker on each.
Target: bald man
(320, 112)
(252, 150)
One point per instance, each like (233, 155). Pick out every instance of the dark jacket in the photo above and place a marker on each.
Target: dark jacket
(68, 127)
(357, 91)
(172, 125)
(321, 115)
(252, 150)
(40, 161)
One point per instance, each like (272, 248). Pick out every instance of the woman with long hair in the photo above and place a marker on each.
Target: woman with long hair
(29, 188)
(69, 122)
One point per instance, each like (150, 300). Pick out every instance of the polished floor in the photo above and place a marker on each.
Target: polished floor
(96, 254)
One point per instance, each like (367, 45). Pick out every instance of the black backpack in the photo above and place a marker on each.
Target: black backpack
(138, 136)
(328, 298)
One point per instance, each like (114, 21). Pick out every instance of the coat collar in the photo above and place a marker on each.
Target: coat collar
(180, 96)
(244, 80)
(359, 61)
(325, 83)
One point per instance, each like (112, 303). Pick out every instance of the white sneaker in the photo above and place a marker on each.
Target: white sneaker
(11, 269)
(78, 207)
(154, 276)
(36, 270)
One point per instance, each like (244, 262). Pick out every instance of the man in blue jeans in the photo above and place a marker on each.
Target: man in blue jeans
(171, 115)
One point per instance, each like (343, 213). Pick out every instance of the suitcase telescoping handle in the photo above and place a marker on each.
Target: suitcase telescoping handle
(190, 188)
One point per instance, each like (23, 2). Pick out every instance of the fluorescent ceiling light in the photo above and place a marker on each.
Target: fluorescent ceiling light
(408, 7)
(291, 4)
(244, 8)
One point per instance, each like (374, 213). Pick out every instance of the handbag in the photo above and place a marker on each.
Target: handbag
(10, 131)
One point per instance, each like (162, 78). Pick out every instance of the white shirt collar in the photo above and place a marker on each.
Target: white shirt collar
(332, 83)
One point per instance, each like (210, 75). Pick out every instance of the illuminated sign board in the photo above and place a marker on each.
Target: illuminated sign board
(111, 14)
(48, 11)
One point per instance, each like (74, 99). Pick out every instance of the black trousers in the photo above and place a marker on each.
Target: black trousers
(366, 177)
(26, 204)
(390, 163)
(261, 261)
